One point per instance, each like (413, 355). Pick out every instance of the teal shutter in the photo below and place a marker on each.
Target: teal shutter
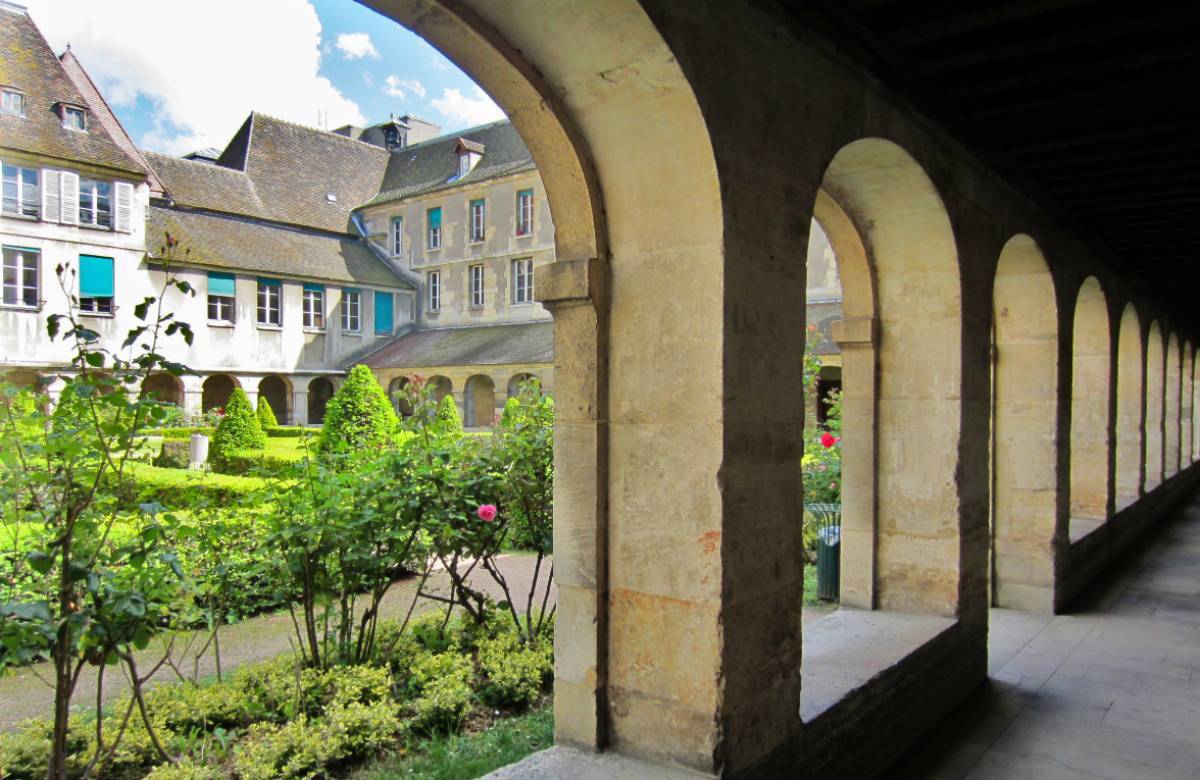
(221, 284)
(95, 277)
(314, 287)
(383, 312)
(435, 217)
(268, 282)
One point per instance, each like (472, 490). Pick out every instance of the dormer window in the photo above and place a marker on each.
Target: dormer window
(12, 102)
(469, 153)
(74, 117)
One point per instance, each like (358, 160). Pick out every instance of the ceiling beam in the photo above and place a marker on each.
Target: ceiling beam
(976, 19)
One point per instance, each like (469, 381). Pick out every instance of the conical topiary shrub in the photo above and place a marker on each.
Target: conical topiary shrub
(448, 420)
(239, 428)
(358, 415)
(266, 415)
(511, 413)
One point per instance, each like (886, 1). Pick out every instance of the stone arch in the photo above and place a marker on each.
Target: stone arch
(855, 335)
(163, 387)
(1026, 526)
(277, 392)
(1172, 404)
(216, 390)
(479, 401)
(320, 390)
(514, 383)
(396, 392)
(1130, 432)
(904, 223)
(439, 387)
(1155, 383)
(1090, 383)
(1186, 391)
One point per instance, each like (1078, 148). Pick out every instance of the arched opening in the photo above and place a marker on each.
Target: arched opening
(320, 390)
(479, 400)
(439, 387)
(165, 388)
(1186, 406)
(216, 391)
(1130, 431)
(276, 391)
(399, 399)
(514, 384)
(1171, 407)
(1155, 382)
(1025, 521)
(1090, 356)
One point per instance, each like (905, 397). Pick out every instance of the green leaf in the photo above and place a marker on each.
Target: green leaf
(39, 561)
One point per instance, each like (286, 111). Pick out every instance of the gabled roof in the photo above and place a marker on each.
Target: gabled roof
(237, 243)
(28, 64)
(305, 176)
(527, 342)
(206, 186)
(431, 166)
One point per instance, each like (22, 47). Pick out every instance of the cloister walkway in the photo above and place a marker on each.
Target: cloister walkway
(1111, 690)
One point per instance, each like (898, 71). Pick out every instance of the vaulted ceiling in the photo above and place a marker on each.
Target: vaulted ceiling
(1093, 104)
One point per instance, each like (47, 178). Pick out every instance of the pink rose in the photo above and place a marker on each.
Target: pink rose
(486, 512)
(828, 440)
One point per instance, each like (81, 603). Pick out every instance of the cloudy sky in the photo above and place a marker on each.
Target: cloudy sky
(183, 74)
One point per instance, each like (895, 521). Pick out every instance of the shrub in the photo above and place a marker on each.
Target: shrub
(25, 754)
(239, 430)
(286, 432)
(294, 750)
(444, 684)
(254, 462)
(359, 730)
(266, 415)
(180, 433)
(512, 411)
(175, 454)
(180, 489)
(185, 707)
(448, 420)
(359, 414)
(513, 673)
(184, 770)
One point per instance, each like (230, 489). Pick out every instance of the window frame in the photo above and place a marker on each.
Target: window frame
(18, 285)
(351, 294)
(433, 295)
(95, 207)
(433, 235)
(71, 111)
(477, 228)
(263, 306)
(98, 305)
(222, 302)
(525, 212)
(476, 285)
(522, 276)
(21, 187)
(5, 92)
(397, 236)
(312, 307)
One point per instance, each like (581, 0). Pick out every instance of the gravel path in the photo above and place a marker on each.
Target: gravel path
(23, 695)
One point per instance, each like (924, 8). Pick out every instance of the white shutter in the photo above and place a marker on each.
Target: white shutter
(50, 205)
(124, 208)
(69, 194)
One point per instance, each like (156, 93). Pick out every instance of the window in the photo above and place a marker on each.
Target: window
(12, 102)
(351, 311)
(314, 306)
(20, 276)
(523, 280)
(476, 277)
(22, 196)
(434, 279)
(222, 295)
(95, 203)
(270, 304)
(478, 209)
(96, 284)
(383, 313)
(73, 118)
(433, 218)
(397, 236)
(524, 212)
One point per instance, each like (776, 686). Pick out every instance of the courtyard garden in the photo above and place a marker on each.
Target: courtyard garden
(377, 549)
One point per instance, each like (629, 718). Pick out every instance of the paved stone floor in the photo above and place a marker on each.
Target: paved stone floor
(1111, 690)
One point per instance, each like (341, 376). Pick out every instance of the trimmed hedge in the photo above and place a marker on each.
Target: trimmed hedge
(181, 489)
(359, 414)
(178, 433)
(266, 415)
(243, 462)
(289, 432)
(175, 454)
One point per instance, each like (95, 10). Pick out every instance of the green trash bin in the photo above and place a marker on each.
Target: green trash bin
(829, 548)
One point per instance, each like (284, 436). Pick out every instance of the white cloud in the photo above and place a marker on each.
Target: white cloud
(396, 87)
(204, 74)
(459, 108)
(355, 46)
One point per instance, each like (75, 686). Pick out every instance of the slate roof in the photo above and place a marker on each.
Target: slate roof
(203, 185)
(28, 64)
(527, 342)
(223, 241)
(432, 165)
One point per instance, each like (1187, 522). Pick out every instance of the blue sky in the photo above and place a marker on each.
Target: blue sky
(184, 74)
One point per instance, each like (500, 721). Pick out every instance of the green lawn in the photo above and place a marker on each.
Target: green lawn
(466, 756)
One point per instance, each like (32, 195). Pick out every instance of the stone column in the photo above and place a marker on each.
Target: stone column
(249, 384)
(856, 337)
(193, 394)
